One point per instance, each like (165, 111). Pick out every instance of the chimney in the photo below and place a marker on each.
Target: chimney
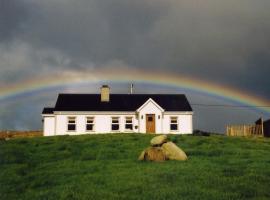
(105, 93)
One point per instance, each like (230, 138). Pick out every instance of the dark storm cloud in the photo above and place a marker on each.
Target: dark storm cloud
(93, 31)
(13, 14)
(222, 41)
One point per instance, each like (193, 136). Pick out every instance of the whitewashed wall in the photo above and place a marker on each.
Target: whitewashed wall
(185, 125)
(48, 125)
(102, 123)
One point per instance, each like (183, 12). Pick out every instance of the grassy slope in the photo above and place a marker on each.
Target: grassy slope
(106, 167)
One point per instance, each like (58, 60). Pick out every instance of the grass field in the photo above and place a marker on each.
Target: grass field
(106, 167)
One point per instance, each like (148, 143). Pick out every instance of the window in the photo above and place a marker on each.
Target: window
(129, 125)
(174, 124)
(71, 126)
(115, 123)
(89, 123)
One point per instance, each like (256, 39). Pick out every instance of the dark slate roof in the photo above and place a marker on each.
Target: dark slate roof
(48, 110)
(120, 102)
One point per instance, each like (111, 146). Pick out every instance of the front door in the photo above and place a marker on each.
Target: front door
(150, 123)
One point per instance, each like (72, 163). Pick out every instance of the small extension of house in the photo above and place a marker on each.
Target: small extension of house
(76, 114)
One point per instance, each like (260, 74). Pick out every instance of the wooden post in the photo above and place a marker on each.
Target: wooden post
(262, 128)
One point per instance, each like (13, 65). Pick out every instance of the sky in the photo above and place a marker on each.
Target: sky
(225, 42)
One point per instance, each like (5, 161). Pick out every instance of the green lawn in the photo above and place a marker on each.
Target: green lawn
(106, 167)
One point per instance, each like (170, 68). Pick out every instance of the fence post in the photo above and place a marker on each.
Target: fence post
(262, 129)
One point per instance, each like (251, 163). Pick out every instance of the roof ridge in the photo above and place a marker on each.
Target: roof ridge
(120, 94)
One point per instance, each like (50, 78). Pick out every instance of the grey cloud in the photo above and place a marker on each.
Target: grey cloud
(185, 36)
(98, 31)
(20, 60)
(13, 16)
(223, 41)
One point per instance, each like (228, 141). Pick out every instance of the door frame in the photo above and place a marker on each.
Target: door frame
(147, 126)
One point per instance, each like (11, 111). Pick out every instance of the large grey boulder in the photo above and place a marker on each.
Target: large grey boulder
(173, 152)
(158, 140)
(153, 154)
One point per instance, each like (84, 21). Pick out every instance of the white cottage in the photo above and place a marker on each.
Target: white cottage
(76, 114)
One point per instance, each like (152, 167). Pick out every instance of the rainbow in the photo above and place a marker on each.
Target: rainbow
(120, 75)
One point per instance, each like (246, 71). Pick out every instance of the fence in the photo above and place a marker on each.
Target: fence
(245, 130)
(17, 134)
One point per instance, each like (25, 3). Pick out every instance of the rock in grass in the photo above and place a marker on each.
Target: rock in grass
(141, 157)
(158, 140)
(173, 152)
(153, 154)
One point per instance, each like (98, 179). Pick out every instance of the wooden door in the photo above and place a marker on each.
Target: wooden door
(150, 123)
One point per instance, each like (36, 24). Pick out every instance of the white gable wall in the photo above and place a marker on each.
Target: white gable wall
(150, 108)
(48, 125)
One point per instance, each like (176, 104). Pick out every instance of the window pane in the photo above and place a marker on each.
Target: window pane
(150, 119)
(173, 126)
(173, 119)
(115, 120)
(90, 121)
(128, 120)
(115, 127)
(71, 120)
(129, 126)
(71, 127)
(89, 127)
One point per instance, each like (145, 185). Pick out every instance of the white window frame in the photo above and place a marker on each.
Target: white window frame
(174, 123)
(90, 123)
(69, 118)
(114, 123)
(129, 123)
